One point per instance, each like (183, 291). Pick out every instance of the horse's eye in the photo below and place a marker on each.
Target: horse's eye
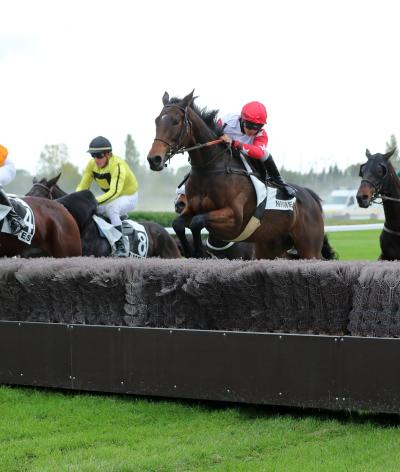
(381, 170)
(176, 120)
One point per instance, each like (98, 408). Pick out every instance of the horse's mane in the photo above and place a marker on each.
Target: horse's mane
(208, 116)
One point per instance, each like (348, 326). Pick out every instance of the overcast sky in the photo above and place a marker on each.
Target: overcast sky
(327, 71)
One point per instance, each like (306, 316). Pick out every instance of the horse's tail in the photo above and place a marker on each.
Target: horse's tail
(327, 251)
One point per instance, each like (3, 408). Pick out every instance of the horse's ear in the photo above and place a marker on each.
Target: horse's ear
(54, 180)
(389, 154)
(35, 180)
(187, 101)
(165, 98)
(367, 153)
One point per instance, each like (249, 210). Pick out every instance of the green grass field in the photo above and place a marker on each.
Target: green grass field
(356, 245)
(47, 431)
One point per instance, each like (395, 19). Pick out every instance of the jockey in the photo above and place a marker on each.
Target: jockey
(7, 174)
(245, 133)
(113, 175)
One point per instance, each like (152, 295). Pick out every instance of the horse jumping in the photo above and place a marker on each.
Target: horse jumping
(56, 233)
(160, 243)
(212, 248)
(220, 194)
(379, 179)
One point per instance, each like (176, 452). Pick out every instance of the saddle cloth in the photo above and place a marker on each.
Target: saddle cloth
(268, 198)
(135, 236)
(25, 212)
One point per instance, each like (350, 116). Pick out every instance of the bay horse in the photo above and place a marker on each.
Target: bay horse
(161, 244)
(56, 232)
(220, 194)
(212, 248)
(379, 180)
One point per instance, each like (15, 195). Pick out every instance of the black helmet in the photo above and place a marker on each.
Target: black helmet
(99, 144)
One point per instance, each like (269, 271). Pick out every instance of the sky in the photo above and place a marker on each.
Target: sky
(327, 71)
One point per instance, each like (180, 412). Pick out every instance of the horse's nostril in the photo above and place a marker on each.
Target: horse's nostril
(179, 207)
(363, 201)
(155, 162)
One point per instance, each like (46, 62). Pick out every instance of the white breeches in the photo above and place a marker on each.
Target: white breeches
(120, 206)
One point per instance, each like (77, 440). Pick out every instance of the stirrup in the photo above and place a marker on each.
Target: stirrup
(120, 250)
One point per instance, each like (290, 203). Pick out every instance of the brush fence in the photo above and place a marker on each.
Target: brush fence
(303, 333)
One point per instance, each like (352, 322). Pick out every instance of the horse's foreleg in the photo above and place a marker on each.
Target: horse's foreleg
(179, 227)
(222, 221)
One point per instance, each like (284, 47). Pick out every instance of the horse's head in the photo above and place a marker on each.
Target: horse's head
(375, 175)
(46, 188)
(180, 203)
(173, 131)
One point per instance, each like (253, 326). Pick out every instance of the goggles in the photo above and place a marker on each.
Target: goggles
(251, 125)
(97, 155)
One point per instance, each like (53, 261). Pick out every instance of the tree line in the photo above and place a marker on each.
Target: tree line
(157, 189)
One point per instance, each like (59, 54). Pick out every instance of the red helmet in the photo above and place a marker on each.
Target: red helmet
(254, 112)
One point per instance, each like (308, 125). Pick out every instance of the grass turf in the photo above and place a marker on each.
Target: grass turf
(356, 245)
(54, 431)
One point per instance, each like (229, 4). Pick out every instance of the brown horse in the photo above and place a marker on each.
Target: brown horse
(56, 233)
(160, 242)
(379, 180)
(213, 248)
(220, 194)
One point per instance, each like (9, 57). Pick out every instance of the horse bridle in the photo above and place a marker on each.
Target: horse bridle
(49, 190)
(378, 194)
(378, 188)
(186, 128)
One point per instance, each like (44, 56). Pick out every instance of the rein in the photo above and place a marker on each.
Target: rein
(178, 149)
(384, 197)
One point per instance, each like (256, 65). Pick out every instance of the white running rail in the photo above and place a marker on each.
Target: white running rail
(328, 229)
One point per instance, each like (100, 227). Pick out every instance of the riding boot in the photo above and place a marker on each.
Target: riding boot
(120, 250)
(16, 223)
(276, 177)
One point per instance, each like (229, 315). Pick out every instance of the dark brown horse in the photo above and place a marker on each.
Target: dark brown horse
(379, 180)
(213, 248)
(56, 233)
(160, 242)
(220, 194)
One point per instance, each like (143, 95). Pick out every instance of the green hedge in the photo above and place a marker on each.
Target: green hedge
(164, 218)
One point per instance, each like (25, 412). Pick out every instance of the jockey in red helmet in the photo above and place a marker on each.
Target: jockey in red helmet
(246, 133)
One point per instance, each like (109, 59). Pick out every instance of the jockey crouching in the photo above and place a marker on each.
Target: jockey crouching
(119, 184)
(7, 174)
(245, 133)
